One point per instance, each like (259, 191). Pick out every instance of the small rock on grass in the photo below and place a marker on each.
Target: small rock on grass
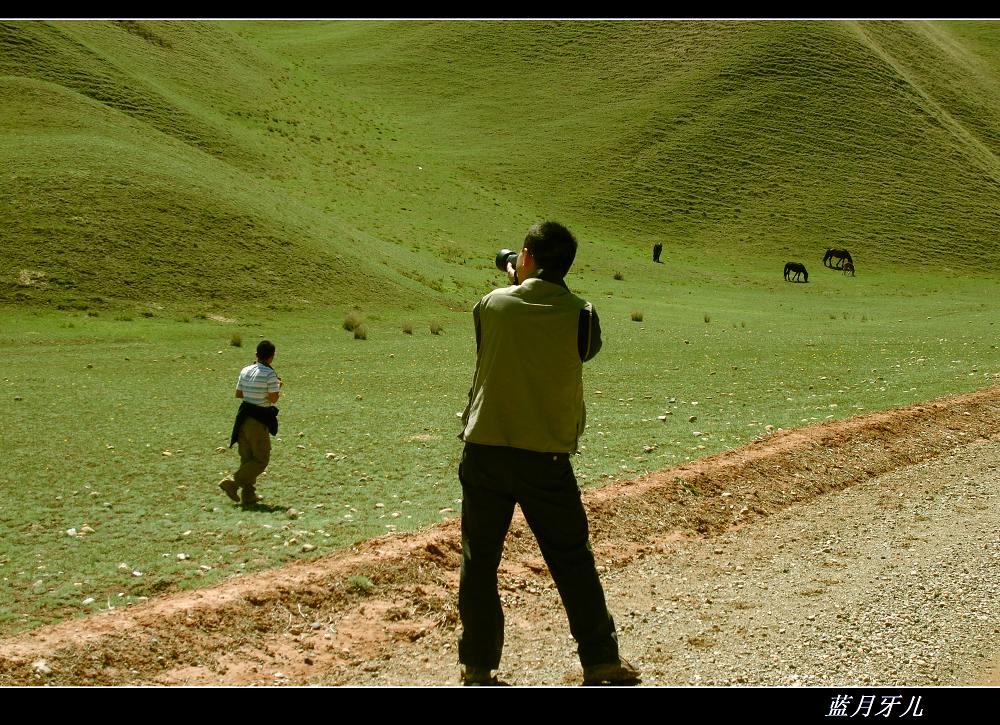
(41, 667)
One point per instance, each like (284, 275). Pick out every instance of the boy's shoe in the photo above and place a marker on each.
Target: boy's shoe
(612, 673)
(229, 486)
(250, 497)
(478, 677)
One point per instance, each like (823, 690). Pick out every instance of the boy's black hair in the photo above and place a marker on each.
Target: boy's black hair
(265, 350)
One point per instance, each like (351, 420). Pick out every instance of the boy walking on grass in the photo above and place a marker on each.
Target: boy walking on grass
(256, 421)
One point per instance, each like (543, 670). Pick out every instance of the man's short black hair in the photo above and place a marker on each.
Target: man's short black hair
(553, 247)
(265, 350)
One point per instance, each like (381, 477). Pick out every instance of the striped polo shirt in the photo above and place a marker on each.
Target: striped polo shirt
(256, 381)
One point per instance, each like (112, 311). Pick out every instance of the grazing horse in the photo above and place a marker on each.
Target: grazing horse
(842, 255)
(849, 267)
(798, 268)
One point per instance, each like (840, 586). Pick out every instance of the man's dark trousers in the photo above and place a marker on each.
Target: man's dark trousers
(494, 479)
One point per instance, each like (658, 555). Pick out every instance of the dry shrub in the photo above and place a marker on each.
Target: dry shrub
(436, 328)
(360, 584)
(360, 332)
(636, 315)
(351, 321)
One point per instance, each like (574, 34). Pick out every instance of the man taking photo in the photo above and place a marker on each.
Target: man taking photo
(524, 419)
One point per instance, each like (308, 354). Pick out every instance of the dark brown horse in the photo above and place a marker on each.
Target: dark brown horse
(842, 255)
(798, 269)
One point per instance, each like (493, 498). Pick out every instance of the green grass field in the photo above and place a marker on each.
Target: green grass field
(376, 167)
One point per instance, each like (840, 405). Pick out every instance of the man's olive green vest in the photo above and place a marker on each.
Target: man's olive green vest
(528, 388)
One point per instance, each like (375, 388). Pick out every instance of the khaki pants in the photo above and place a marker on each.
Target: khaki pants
(254, 442)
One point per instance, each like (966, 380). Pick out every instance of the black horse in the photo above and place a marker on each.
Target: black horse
(798, 268)
(841, 255)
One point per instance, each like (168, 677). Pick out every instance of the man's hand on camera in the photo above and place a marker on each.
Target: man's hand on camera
(511, 273)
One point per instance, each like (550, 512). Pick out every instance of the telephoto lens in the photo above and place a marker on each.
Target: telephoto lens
(505, 257)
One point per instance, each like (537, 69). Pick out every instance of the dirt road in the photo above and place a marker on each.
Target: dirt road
(856, 552)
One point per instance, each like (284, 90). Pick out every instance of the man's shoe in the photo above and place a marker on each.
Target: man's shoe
(229, 486)
(478, 677)
(612, 673)
(251, 500)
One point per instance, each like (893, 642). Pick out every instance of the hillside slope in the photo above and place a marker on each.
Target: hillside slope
(366, 162)
(719, 135)
(133, 175)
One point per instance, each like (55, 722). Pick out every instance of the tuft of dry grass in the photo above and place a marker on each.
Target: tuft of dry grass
(636, 315)
(236, 340)
(408, 328)
(361, 332)
(352, 320)
(360, 584)
(436, 328)
(619, 276)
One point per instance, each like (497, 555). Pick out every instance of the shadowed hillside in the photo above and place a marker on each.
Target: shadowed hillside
(364, 162)
(134, 174)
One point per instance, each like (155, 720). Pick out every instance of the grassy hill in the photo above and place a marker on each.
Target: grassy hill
(335, 163)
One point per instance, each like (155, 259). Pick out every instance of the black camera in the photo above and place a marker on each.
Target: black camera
(505, 257)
